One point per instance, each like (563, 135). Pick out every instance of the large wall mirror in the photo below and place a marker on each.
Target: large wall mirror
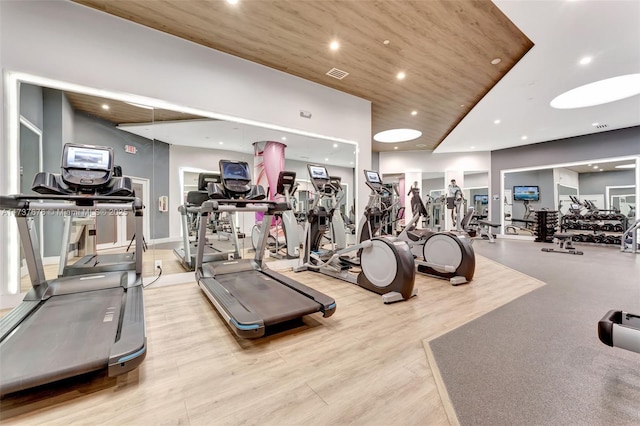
(604, 185)
(163, 151)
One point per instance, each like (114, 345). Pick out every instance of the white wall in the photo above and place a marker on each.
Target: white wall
(67, 42)
(401, 162)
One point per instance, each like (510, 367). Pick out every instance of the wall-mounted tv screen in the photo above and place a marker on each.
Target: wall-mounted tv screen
(526, 193)
(482, 199)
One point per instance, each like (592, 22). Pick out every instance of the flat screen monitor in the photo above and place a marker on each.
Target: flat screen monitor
(482, 199)
(232, 170)
(318, 172)
(87, 157)
(526, 193)
(372, 176)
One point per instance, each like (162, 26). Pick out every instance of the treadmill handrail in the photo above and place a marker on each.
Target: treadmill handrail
(31, 204)
(232, 205)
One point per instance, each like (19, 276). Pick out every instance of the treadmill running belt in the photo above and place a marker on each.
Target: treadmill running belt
(67, 336)
(272, 301)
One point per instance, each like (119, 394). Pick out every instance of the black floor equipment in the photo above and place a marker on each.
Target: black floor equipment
(246, 293)
(446, 255)
(75, 324)
(189, 217)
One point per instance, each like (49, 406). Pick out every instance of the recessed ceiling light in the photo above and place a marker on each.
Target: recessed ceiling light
(600, 170)
(401, 75)
(221, 143)
(334, 45)
(397, 135)
(596, 124)
(395, 147)
(386, 42)
(589, 164)
(626, 166)
(326, 159)
(350, 162)
(496, 61)
(105, 106)
(414, 112)
(473, 147)
(232, 1)
(496, 121)
(595, 167)
(421, 145)
(335, 145)
(524, 137)
(461, 105)
(599, 92)
(284, 138)
(585, 60)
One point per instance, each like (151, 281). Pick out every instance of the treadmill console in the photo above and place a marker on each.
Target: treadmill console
(373, 180)
(236, 180)
(286, 180)
(86, 167)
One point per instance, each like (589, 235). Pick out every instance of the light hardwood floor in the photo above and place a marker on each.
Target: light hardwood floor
(364, 365)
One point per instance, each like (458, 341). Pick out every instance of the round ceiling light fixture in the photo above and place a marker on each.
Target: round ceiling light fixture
(599, 92)
(397, 135)
(496, 61)
(335, 45)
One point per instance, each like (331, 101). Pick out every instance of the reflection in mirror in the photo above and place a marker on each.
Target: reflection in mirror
(62, 117)
(607, 187)
(156, 149)
(197, 146)
(565, 200)
(476, 192)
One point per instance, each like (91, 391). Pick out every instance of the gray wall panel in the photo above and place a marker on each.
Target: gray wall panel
(31, 104)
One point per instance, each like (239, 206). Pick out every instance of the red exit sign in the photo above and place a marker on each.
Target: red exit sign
(131, 149)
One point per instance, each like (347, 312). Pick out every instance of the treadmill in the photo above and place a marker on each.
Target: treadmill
(73, 325)
(190, 210)
(91, 262)
(246, 293)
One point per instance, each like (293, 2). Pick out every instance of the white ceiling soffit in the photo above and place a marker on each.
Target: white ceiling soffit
(238, 137)
(563, 33)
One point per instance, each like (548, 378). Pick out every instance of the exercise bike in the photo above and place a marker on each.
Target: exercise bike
(386, 265)
(444, 255)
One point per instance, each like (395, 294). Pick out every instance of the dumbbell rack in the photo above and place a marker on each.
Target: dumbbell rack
(546, 222)
(598, 229)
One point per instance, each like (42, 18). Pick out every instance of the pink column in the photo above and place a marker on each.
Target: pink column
(268, 162)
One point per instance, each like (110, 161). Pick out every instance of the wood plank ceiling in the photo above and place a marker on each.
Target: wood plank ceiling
(445, 47)
(119, 112)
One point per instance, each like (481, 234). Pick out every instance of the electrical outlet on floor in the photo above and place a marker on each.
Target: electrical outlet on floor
(158, 264)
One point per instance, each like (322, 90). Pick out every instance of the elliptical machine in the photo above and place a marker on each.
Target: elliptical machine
(386, 264)
(440, 254)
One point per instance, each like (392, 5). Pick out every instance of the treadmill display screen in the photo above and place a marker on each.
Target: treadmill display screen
(88, 158)
(235, 171)
(373, 177)
(318, 172)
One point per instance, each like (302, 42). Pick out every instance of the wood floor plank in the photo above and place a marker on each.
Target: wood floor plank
(364, 365)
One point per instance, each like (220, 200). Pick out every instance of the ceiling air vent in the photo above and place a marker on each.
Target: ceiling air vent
(601, 126)
(336, 73)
